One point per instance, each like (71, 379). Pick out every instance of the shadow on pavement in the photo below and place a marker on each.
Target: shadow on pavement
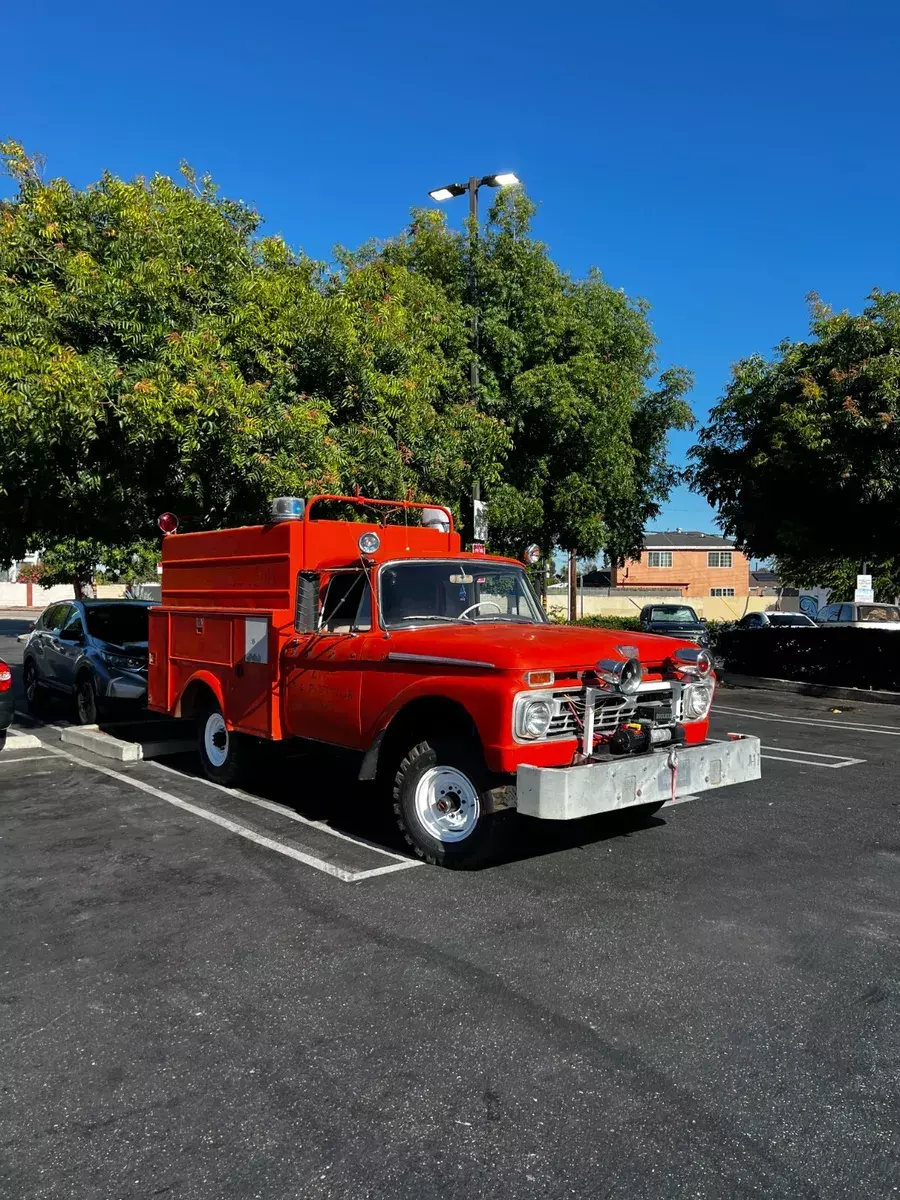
(322, 785)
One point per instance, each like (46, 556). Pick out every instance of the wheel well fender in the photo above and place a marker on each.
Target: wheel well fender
(416, 720)
(199, 690)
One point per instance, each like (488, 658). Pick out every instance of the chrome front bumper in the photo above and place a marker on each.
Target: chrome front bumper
(566, 793)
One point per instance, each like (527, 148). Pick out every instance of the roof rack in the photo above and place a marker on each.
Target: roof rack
(391, 505)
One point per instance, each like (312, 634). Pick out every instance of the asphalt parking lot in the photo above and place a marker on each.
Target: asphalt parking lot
(258, 995)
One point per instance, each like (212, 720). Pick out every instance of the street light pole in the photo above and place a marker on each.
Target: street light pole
(474, 380)
(506, 179)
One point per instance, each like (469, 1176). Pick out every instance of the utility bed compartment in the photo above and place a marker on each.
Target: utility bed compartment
(237, 649)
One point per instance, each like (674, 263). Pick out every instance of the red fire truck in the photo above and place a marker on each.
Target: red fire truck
(363, 624)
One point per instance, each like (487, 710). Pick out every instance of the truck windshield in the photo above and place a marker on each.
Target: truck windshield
(422, 592)
(673, 615)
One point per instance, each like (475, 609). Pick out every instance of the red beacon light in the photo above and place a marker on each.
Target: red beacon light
(168, 522)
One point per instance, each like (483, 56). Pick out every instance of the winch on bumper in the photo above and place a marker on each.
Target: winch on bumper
(566, 793)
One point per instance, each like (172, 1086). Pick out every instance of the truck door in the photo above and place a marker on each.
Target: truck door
(322, 669)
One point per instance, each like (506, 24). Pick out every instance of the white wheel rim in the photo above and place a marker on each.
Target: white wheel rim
(215, 739)
(447, 804)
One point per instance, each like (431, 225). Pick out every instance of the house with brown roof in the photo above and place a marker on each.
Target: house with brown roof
(688, 563)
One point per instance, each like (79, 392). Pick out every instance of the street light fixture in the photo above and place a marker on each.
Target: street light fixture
(504, 179)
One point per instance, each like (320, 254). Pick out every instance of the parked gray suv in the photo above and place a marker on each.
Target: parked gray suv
(94, 651)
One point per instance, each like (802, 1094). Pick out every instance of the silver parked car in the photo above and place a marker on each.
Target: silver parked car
(94, 651)
(775, 620)
(868, 616)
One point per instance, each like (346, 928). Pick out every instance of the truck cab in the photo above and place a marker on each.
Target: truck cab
(364, 624)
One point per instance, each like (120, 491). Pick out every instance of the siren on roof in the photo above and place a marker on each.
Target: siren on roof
(287, 508)
(436, 518)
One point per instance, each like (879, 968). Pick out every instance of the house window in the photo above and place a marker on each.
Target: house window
(721, 591)
(718, 558)
(659, 558)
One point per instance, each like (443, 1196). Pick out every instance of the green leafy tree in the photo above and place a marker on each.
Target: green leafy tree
(157, 353)
(801, 457)
(839, 576)
(79, 560)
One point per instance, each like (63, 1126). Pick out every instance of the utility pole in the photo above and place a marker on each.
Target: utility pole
(573, 585)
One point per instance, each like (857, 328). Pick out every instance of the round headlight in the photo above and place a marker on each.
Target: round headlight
(536, 717)
(368, 543)
(697, 698)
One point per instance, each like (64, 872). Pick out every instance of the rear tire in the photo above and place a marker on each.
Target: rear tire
(441, 791)
(222, 751)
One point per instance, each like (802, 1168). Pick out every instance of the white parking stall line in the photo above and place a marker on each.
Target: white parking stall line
(284, 811)
(5, 762)
(309, 860)
(852, 727)
(810, 758)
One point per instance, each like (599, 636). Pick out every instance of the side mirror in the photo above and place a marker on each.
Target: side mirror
(703, 621)
(70, 635)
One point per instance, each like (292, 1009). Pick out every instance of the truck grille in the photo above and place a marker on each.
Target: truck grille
(655, 706)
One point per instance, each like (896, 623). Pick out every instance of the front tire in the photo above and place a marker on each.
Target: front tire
(35, 693)
(222, 751)
(442, 804)
(87, 706)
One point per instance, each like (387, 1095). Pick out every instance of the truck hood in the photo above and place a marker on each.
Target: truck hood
(530, 647)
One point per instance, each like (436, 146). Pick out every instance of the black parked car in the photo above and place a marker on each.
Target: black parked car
(92, 650)
(676, 620)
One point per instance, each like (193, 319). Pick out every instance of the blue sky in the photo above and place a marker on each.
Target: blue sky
(721, 160)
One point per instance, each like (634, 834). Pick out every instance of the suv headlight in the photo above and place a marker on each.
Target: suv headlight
(533, 716)
(697, 699)
(123, 662)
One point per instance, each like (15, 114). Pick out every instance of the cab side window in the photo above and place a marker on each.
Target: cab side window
(846, 613)
(346, 602)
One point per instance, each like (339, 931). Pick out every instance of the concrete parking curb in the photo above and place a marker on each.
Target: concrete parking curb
(797, 688)
(90, 737)
(14, 740)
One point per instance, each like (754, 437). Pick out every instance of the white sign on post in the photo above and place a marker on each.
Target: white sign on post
(479, 522)
(864, 593)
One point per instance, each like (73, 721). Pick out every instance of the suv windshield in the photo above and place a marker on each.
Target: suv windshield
(419, 592)
(120, 624)
(673, 615)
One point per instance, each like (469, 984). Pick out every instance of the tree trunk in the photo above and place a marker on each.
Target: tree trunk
(573, 586)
